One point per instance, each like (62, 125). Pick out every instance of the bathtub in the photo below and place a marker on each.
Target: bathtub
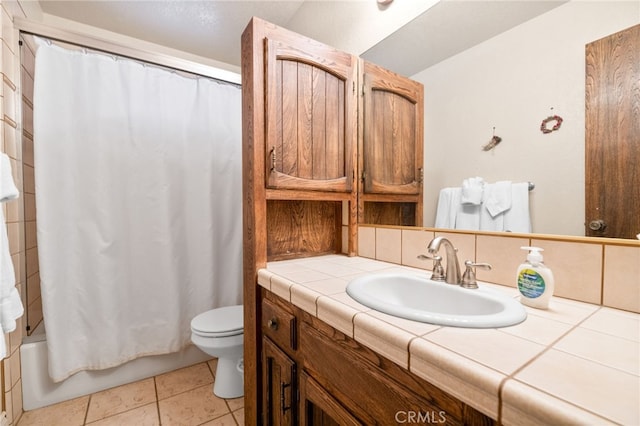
(38, 390)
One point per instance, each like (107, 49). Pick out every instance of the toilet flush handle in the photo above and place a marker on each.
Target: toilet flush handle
(273, 323)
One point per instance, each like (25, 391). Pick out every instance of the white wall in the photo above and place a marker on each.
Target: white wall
(511, 82)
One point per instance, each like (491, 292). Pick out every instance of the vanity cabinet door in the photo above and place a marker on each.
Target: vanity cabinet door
(311, 116)
(392, 144)
(279, 386)
(319, 408)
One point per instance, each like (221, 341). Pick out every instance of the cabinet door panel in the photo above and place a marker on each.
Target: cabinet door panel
(318, 408)
(310, 110)
(278, 378)
(393, 134)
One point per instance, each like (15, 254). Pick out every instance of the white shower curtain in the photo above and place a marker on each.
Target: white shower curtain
(138, 199)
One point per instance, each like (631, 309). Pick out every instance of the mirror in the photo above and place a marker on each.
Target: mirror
(506, 86)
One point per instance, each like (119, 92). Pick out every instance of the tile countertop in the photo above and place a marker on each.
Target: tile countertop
(573, 363)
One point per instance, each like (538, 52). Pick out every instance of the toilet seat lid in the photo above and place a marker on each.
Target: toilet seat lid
(220, 322)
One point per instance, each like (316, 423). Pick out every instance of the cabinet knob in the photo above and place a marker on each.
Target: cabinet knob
(273, 324)
(597, 225)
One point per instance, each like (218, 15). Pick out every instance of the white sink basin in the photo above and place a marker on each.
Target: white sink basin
(420, 299)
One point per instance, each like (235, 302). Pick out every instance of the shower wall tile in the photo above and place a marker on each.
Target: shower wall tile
(7, 25)
(6, 379)
(9, 100)
(27, 119)
(16, 399)
(10, 140)
(14, 363)
(8, 64)
(26, 76)
(18, 267)
(13, 234)
(32, 261)
(12, 210)
(15, 337)
(35, 313)
(30, 235)
(8, 405)
(29, 206)
(29, 184)
(27, 150)
(33, 288)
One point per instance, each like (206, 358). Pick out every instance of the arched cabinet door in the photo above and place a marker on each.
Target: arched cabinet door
(311, 121)
(392, 144)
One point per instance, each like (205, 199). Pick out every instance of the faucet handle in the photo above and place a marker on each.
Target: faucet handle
(469, 276)
(438, 270)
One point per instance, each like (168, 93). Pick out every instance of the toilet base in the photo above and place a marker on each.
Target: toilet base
(229, 382)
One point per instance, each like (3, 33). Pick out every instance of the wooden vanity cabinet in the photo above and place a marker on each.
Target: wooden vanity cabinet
(289, 395)
(328, 378)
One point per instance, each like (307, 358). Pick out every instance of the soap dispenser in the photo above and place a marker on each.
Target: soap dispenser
(535, 281)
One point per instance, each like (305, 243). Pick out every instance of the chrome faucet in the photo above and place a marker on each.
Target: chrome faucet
(452, 274)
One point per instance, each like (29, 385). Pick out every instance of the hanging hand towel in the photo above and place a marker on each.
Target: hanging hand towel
(497, 197)
(448, 203)
(468, 217)
(10, 304)
(518, 218)
(472, 189)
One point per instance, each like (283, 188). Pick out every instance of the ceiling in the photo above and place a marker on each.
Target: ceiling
(404, 36)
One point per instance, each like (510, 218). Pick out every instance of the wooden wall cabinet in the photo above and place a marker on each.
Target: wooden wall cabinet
(390, 148)
(311, 115)
(313, 119)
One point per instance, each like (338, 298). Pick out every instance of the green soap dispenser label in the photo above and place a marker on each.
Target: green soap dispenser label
(530, 283)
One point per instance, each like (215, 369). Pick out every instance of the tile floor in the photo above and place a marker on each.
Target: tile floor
(180, 397)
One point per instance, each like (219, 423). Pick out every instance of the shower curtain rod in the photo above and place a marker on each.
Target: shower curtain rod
(137, 54)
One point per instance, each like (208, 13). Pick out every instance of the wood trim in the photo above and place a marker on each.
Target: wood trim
(292, 182)
(295, 194)
(550, 237)
(254, 210)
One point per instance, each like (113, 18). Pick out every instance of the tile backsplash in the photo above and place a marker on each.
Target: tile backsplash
(593, 270)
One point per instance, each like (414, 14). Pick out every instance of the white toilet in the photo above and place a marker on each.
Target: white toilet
(219, 333)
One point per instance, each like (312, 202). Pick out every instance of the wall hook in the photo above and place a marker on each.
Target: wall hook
(495, 140)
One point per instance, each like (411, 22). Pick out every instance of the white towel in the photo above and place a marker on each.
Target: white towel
(518, 218)
(10, 304)
(468, 217)
(448, 203)
(497, 197)
(472, 190)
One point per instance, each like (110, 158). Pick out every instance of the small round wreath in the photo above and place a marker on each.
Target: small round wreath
(556, 118)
